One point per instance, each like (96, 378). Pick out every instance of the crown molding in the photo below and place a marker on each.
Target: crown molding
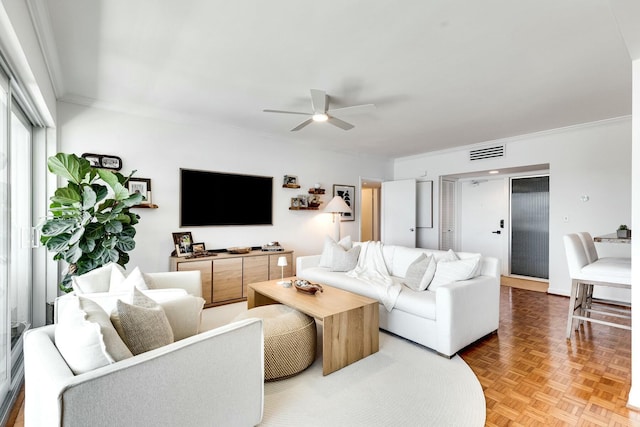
(41, 19)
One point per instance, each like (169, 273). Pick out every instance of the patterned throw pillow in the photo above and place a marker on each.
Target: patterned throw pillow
(420, 272)
(142, 324)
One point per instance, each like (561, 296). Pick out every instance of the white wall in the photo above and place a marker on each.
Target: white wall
(158, 148)
(592, 159)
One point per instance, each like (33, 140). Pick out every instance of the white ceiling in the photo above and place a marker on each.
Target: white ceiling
(442, 73)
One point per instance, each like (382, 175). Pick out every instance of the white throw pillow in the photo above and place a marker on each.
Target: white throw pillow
(345, 260)
(453, 271)
(142, 324)
(97, 280)
(85, 337)
(326, 258)
(135, 279)
(420, 272)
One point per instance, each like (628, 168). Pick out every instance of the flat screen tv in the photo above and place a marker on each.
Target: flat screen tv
(219, 198)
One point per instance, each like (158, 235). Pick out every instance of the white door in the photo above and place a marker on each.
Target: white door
(399, 212)
(484, 211)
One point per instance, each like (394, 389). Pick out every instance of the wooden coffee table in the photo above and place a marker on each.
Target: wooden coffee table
(349, 321)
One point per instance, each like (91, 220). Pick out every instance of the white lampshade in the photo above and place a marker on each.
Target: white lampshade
(337, 205)
(282, 261)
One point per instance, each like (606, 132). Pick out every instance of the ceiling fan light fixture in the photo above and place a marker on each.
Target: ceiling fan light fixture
(320, 117)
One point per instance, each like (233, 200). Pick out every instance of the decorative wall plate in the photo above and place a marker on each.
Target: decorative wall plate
(103, 161)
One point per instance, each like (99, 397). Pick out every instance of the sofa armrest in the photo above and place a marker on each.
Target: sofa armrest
(466, 310)
(187, 280)
(213, 378)
(307, 261)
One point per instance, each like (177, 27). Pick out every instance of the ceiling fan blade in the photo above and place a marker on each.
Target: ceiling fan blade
(354, 109)
(301, 125)
(286, 112)
(319, 101)
(340, 123)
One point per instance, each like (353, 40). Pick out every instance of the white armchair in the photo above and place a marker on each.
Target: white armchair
(211, 379)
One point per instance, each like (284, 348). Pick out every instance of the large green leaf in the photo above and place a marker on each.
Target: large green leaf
(120, 192)
(69, 166)
(94, 231)
(113, 227)
(58, 243)
(89, 197)
(67, 196)
(126, 244)
(56, 226)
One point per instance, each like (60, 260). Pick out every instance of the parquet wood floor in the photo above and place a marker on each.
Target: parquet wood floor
(532, 376)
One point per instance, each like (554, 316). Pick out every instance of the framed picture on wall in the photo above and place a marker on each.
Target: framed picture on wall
(348, 194)
(142, 186)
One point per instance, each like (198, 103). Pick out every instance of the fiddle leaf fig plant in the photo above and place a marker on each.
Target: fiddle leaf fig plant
(90, 223)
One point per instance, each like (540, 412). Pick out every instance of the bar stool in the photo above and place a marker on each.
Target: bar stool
(609, 272)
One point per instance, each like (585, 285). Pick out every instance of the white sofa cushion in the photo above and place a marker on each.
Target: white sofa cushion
(98, 280)
(142, 323)
(326, 258)
(85, 337)
(453, 271)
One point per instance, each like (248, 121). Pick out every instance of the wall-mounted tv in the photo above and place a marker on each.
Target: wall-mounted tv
(219, 198)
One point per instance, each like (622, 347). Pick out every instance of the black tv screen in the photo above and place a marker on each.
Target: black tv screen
(218, 198)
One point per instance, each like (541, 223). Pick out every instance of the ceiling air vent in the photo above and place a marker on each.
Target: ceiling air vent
(487, 153)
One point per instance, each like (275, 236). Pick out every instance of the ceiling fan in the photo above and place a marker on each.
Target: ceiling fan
(322, 113)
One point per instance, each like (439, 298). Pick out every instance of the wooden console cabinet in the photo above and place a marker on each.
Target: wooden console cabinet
(225, 276)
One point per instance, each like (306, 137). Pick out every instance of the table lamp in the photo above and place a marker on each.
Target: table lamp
(337, 206)
(282, 263)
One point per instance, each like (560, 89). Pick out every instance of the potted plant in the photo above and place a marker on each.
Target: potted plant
(90, 224)
(624, 232)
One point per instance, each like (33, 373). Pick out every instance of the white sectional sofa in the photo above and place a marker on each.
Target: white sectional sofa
(446, 319)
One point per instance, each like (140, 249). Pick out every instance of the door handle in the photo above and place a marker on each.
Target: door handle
(497, 232)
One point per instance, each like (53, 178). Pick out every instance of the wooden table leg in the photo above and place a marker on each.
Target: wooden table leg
(572, 306)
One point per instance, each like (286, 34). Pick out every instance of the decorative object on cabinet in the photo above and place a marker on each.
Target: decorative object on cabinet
(100, 198)
(183, 242)
(239, 250)
(337, 207)
(103, 161)
(290, 181)
(199, 249)
(272, 247)
(623, 232)
(347, 192)
(282, 263)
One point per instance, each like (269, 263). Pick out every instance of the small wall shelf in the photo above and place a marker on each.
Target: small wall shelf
(304, 209)
(148, 206)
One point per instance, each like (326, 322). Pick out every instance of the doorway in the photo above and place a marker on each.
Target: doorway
(471, 213)
(370, 193)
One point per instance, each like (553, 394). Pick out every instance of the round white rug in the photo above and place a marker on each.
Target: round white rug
(403, 384)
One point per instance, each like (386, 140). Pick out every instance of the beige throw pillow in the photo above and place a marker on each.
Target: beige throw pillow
(344, 260)
(143, 324)
(85, 337)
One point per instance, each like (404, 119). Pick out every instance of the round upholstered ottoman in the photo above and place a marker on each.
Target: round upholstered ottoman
(289, 339)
